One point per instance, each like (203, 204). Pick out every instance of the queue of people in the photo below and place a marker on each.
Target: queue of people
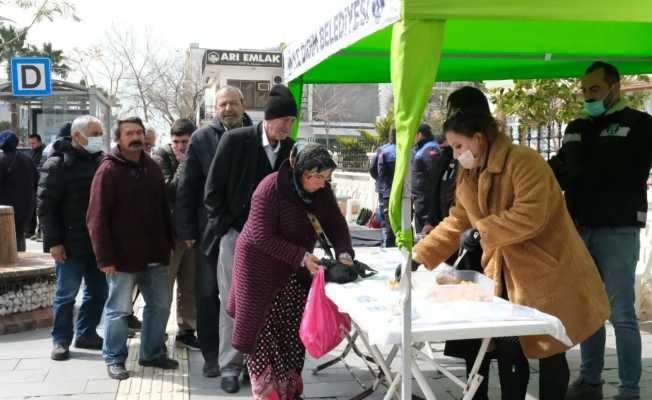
(223, 212)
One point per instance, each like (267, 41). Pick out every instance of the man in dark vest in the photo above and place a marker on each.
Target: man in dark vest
(244, 157)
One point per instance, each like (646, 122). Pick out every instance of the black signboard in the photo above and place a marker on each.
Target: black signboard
(244, 58)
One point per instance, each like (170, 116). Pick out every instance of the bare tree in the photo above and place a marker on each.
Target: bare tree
(331, 105)
(135, 56)
(154, 84)
(177, 91)
(100, 68)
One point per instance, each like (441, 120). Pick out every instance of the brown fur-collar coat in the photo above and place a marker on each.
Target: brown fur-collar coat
(528, 237)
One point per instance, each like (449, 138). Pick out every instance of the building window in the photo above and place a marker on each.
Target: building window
(254, 92)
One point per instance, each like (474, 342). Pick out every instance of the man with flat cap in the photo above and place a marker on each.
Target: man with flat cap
(244, 157)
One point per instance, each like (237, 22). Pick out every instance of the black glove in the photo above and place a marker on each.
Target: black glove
(470, 239)
(397, 273)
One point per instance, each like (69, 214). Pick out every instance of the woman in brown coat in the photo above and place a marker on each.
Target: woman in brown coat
(509, 195)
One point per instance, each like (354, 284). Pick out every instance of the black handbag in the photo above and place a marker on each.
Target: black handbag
(337, 271)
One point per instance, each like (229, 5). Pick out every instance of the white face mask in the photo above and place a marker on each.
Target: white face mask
(95, 144)
(466, 160)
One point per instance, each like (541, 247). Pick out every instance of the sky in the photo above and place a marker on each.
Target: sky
(232, 24)
(173, 25)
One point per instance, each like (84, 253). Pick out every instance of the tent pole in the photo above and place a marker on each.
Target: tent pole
(406, 293)
(415, 58)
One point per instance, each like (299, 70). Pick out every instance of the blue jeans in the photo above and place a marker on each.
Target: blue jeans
(153, 284)
(69, 277)
(615, 251)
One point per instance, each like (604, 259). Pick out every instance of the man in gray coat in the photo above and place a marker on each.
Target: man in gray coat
(191, 218)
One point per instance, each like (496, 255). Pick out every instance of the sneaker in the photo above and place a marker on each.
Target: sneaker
(89, 342)
(188, 339)
(626, 397)
(580, 390)
(134, 323)
(117, 371)
(163, 362)
(211, 369)
(59, 352)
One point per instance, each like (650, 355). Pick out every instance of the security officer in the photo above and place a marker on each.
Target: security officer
(382, 170)
(425, 158)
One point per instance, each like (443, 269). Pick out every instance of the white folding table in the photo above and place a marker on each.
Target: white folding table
(375, 311)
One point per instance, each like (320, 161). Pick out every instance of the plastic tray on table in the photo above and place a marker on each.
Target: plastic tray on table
(473, 286)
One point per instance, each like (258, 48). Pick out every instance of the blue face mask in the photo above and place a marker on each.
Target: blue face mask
(594, 108)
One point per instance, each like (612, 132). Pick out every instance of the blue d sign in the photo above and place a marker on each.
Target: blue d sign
(31, 76)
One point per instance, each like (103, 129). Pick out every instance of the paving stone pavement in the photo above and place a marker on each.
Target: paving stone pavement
(26, 372)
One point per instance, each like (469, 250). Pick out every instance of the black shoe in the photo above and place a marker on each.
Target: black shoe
(134, 323)
(91, 343)
(211, 369)
(117, 371)
(59, 352)
(230, 384)
(188, 339)
(580, 390)
(163, 362)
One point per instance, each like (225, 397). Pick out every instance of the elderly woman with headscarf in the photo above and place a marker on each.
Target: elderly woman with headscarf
(273, 266)
(18, 180)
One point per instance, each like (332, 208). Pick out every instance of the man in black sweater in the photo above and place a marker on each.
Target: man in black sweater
(603, 166)
(190, 216)
(244, 157)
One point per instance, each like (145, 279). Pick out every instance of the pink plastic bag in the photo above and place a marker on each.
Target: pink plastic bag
(322, 327)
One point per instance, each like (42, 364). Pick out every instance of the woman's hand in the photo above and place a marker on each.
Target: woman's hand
(311, 262)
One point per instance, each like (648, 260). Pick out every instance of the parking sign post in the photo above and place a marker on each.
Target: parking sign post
(31, 76)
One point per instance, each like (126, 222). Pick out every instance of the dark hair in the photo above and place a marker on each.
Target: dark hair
(182, 127)
(468, 123)
(133, 120)
(467, 98)
(425, 131)
(36, 136)
(611, 74)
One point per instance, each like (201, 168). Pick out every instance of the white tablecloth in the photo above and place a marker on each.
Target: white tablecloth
(376, 308)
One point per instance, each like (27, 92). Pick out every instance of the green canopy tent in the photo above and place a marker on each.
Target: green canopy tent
(413, 43)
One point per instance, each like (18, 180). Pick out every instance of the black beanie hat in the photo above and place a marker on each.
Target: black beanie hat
(280, 103)
(64, 131)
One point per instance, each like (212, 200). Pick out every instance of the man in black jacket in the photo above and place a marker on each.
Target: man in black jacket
(603, 167)
(36, 143)
(190, 216)
(244, 157)
(18, 179)
(37, 146)
(63, 195)
(183, 262)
